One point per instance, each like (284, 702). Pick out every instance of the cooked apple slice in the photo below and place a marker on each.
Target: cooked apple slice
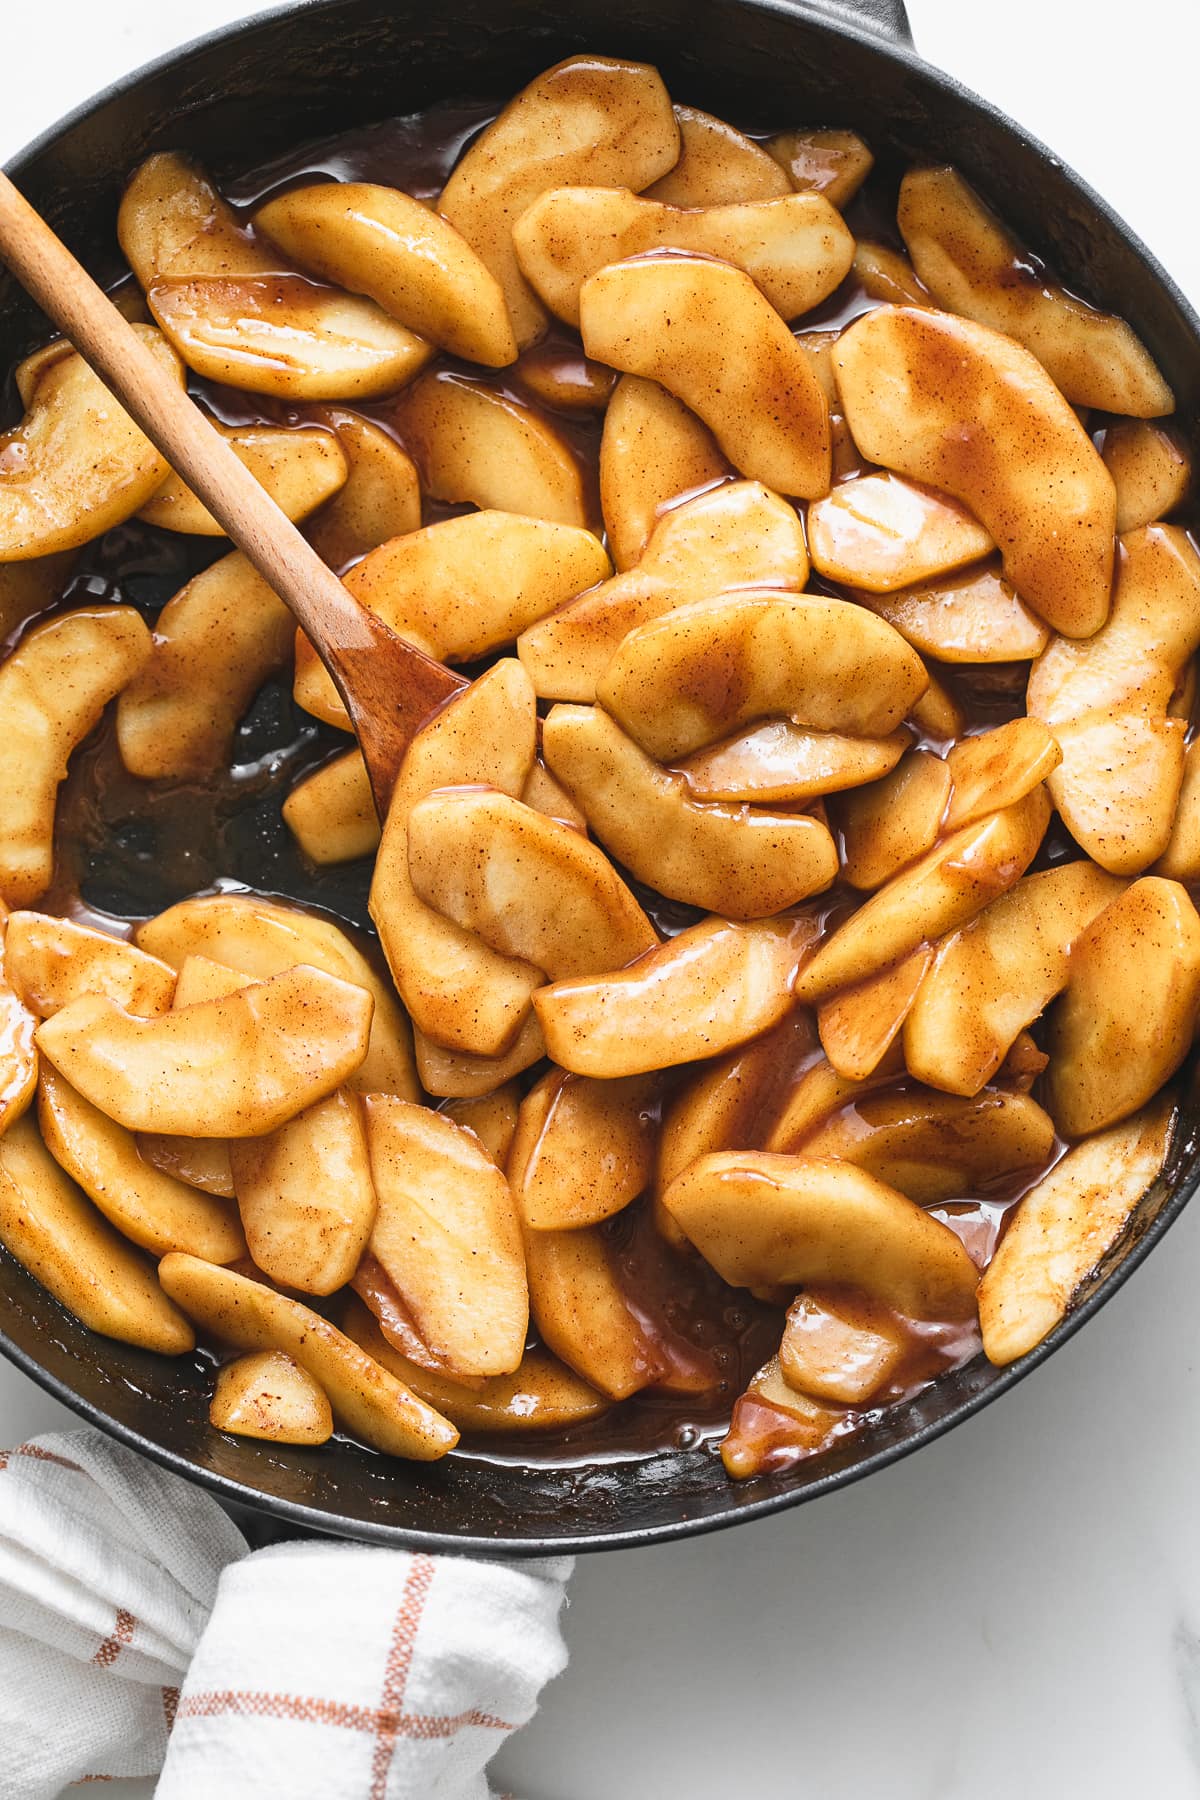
(32, 587)
(950, 403)
(201, 979)
(582, 1313)
(448, 1235)
(235, 316)
(1180, 861)
(1064, 1228)
(746, 862)
(267, 1395)
(198, 1162)
(237, 1067)
(305, 1196)
(1128, 1013)
(895, 820)
(51, 962)
(379, 1293)
(529, 887)
(704, 332)
(881, 533)
(53, 689)
(458, 1075)
(215, 644)
(937, 1147)
(840, 1346)
(473, 443)
(589, 118)
(18, 1051)
(781, 761)
(697, 674)
(1107, 700)
(975, 616)
(542, 1394)
(148, 1206)
(998, 973)
(461, 589)
(795, 249)
(582, 1149)
(766, 1221)
(365, 1399)
(652, 451)
(710, 988)
(380, 242)
(773, 1426)
(261, 938)
(76, 465)
(380, 500)
(492, 1117)
(947, 887)
(937, 714)
(817, 1095)
(1152, 469)
(717, 165)
(546, 795)
(859, 1026)
(833, 163)
(331, 813)
(565, 380)
(56, 1233)
(459, 991)
(884, 274)
(995, 769)
(300, 468)
(971, 265)
(735, 536)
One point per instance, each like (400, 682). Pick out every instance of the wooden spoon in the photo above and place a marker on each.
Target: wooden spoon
(389, 687)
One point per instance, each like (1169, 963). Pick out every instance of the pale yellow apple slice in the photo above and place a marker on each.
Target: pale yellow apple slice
(366, 1399)
(936, 713)
(234, 311)
(953, 404)
(459, 1075)
(943, 890)
(817, 1095)
(56, 1233)
(973, 266)
(895, 820)
(1126, 1018)
(546, 795)
(735, 536)
(1180, 861)
(377, 241)
(331, 813)
(475, 444)
(590, 118)
(198, 1162)
(529, 887)
(765, 1221)
(267, 1395)
(76, 465)
(201, 979)
(492, 1117)
(236, 1067)
(938, 1147)
(974, 616)
(833, 163)
(840, 1346)
(381, 497)
(461, 589)
(704, 332)
(585, 1149)
(51, 961)
(995, 769)
(859, 1026)
(886, 275)
(261, 938)
(215, 643)
(1152, 468)
(1107, 700)
(879, 532)
(717, 165)
(710, 988)
(795, 249)
(743, 861)
(781, 761)
(53, 689)
(1065, 1227)
(582, 1313)
(300, 468)
(447, 1233)
(148, 1206)
(653, 450)
(306, 1197)
(697, 674)
(18, 1051)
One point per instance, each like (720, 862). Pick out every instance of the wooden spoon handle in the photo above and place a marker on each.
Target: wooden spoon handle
(84, 313)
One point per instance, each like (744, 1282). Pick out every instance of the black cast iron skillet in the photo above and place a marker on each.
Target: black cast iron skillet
(252, 92)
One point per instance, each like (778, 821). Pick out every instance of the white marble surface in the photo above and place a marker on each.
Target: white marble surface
(1016, 1611)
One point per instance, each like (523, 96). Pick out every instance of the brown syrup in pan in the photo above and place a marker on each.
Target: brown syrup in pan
(128, 848)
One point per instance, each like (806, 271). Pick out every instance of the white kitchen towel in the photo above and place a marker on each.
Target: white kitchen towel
(137, 1634)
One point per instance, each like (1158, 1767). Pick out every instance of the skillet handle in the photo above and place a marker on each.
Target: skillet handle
(888, 18)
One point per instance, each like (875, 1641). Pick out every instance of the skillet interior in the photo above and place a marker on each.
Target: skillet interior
(247, 95)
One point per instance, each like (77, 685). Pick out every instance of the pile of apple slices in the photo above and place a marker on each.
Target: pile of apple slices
(925, 957)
